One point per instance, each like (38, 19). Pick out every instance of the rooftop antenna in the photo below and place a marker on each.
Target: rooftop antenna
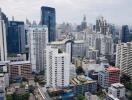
(12, 18)
(0, 14)
(84, 18)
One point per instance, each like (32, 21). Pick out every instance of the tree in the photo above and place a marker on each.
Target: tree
(42, 83)
(79, 70)
(20, 97)
(36, 79)
(9, 97)
(42, 72)
(130, 96)
(24, 79)
(26, 96)
(128, 86)
(80, 97)
(31, 89)
(125, 79)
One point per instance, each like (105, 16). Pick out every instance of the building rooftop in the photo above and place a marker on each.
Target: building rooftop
(38, 26)
(64, 41)
(60, 93)
(4, 62)
(81, 79)
(90, 96)
(117, 85)
(1, 74)
(112, 69)
(112, 97)
(19, 62)
(1, 91)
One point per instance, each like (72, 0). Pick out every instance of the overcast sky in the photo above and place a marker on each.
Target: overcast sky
(115, 11)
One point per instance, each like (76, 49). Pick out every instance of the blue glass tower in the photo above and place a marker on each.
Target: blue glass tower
(16, 37)
(126, 36)
(48, 17)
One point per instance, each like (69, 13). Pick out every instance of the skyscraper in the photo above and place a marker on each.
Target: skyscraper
(57, 67)
(3, 46)
(38, 40)
(101, 25)
(83, 25)
(124, 58)
(3, 17)
(126, 36)
(48, 17)
(3, 33)
(16, 37)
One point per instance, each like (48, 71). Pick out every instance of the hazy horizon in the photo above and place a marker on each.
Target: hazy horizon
(114, 11)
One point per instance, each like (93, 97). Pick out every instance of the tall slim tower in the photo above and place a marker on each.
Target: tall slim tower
(38, 40)
(48, 17)
(16, 37)
(3, 45)
(84, 23)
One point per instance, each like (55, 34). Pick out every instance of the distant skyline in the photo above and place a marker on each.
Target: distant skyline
(114, 11)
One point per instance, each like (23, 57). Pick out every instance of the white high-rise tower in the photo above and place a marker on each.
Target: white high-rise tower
(3, 45)
(38, 40)
(57, 67)
(124, 58)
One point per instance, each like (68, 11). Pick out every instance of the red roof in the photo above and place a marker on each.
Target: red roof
(112, 69)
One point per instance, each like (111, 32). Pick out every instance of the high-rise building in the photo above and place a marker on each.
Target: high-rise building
(3, 45)
(3, 17)
(83, 25)
(124, 58)
(38, 40)
(57, 67)
(126, 35)
(48, 17)
(101, 25)
(92, 54)
(16, 37)
(104, 44)
(73, 48)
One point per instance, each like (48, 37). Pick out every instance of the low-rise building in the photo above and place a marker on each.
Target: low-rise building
(72, 71)
(109, 76)
(4, 79)
(3, 86)
(90, 96)
(2, 94)
(61, 93)
(20, 69)
(116, 92)
(18, 57)
(77, 61)
(82, 84)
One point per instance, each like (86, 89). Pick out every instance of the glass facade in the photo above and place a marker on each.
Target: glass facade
(126, 36)
(15, 37)
(48, 17)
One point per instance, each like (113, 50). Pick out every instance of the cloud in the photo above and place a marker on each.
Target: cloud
(115, 11)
